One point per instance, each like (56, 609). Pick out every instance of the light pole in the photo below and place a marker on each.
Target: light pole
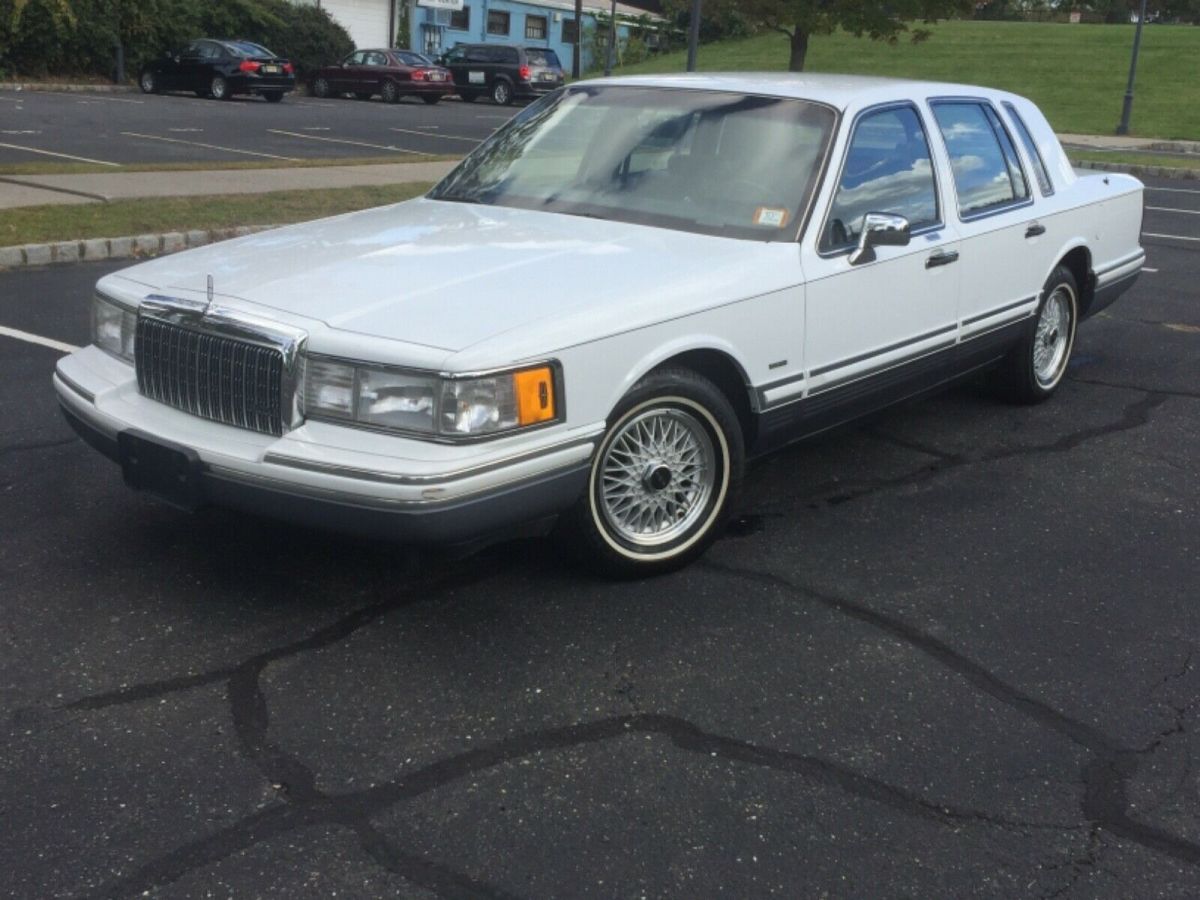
(578, 37)
(612, 39)
(1127, 107)
(694, 35)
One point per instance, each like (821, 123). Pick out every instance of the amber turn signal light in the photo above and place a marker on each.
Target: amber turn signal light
(535, 395)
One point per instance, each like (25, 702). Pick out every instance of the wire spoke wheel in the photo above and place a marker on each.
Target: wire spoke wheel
(657, 476)
(1052, 338)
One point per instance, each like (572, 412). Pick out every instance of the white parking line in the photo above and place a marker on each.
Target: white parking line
(93, 97)
(314, 137)
(155, 137)
(185, 130)
(37, 339)
(1174, 190)
(1174, 237)
(1190, 212)
(12, 99)
(448, 137)
(1151, 271)
(99, 162)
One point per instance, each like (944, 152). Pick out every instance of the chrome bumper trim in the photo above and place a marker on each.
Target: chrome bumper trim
(441, 478)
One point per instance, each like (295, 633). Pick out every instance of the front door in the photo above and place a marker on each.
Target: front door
(881, 330)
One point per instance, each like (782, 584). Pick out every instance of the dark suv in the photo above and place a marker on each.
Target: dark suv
(503, 71)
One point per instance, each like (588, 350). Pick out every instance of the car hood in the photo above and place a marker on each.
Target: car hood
(451, 275)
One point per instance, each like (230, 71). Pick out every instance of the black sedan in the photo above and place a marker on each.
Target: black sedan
(220, 69)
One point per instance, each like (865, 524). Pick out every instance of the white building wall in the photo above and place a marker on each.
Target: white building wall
(368, 21)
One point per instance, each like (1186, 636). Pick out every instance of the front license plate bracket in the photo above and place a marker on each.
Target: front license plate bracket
(169, 471)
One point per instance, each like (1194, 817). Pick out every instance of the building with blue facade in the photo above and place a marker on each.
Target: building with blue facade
(437, 25)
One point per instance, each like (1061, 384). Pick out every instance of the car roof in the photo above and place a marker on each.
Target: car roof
(839, 91)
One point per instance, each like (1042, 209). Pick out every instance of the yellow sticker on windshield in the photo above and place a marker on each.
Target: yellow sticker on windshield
(771, 216)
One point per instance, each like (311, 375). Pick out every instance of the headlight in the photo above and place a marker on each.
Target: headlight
(421, 403)
(113, 327)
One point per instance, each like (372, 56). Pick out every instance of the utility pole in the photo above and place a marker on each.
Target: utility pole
(1127, 107)
(694, 35)
(612, 39)
(575, 63)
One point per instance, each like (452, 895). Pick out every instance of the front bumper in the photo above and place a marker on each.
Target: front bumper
(340, 478)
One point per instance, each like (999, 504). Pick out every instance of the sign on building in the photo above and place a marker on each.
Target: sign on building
(441, 4)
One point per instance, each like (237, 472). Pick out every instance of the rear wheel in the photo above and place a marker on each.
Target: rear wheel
(390, 93)
(431, 99)
(148, 82)
(502, 93)
(663, 479)
(1035, 367)
(218, 88)
(320, 87)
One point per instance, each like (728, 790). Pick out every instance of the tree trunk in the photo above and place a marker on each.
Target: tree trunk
(799, 50)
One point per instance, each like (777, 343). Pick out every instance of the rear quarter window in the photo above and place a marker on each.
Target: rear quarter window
(1031, 150)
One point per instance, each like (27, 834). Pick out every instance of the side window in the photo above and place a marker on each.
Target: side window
(457, 55)
(887, 169)
(192, 50)
(987, 173)
(1031, 150)
(209, 50)
(375, 58)
(356, 59)
(479, 55)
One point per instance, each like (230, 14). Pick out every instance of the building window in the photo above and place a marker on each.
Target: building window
(460, 19)
(497, 22)
(535, 28)
(570, 31)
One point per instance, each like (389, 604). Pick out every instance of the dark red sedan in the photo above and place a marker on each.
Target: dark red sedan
(391, 74)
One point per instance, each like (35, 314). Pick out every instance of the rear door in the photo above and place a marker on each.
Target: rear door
(1004, 254)
(188, 68)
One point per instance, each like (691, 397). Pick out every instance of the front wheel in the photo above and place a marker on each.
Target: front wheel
(148, 83)
(663, 479)
(1035, 367)
(390, 93)
(218, 88)
(320, 87)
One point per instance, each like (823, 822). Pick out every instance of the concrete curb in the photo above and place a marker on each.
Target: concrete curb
(133, 247)
(1132, 169)
(67, 88)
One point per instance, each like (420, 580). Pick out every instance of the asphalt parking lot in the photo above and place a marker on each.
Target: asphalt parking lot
(121, 129)
(951, 652)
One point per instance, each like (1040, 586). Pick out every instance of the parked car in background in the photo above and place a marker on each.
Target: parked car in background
(391, 74)
(630, 289)
(220, 69)
(503, 72)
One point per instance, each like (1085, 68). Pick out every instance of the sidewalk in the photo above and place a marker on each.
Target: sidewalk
(34, 190)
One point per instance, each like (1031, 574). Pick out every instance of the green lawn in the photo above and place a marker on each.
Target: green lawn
(1076, 73)
(35, 224)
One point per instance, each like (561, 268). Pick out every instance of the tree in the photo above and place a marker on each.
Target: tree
(880, 20)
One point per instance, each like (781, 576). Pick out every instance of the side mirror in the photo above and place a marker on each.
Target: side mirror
(879, 230)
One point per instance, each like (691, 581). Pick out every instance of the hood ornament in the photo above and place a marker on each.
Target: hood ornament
(210, 296)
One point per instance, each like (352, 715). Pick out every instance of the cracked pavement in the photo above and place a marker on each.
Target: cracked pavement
(954, 651)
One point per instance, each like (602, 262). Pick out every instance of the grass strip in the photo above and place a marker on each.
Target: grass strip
(1075, 73)
(54, 168)
(1129, 158)
(40, 224)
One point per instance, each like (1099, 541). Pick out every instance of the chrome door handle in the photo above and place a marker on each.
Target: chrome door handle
(941, 258)
(1034, 230)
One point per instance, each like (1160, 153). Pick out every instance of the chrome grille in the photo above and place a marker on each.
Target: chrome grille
(216, 377)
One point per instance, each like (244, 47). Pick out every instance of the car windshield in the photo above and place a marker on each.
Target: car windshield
(547, 58)
(413, 59)
(703, 161)
(245, 48)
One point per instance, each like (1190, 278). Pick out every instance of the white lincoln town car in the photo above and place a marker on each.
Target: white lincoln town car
(594, 321)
